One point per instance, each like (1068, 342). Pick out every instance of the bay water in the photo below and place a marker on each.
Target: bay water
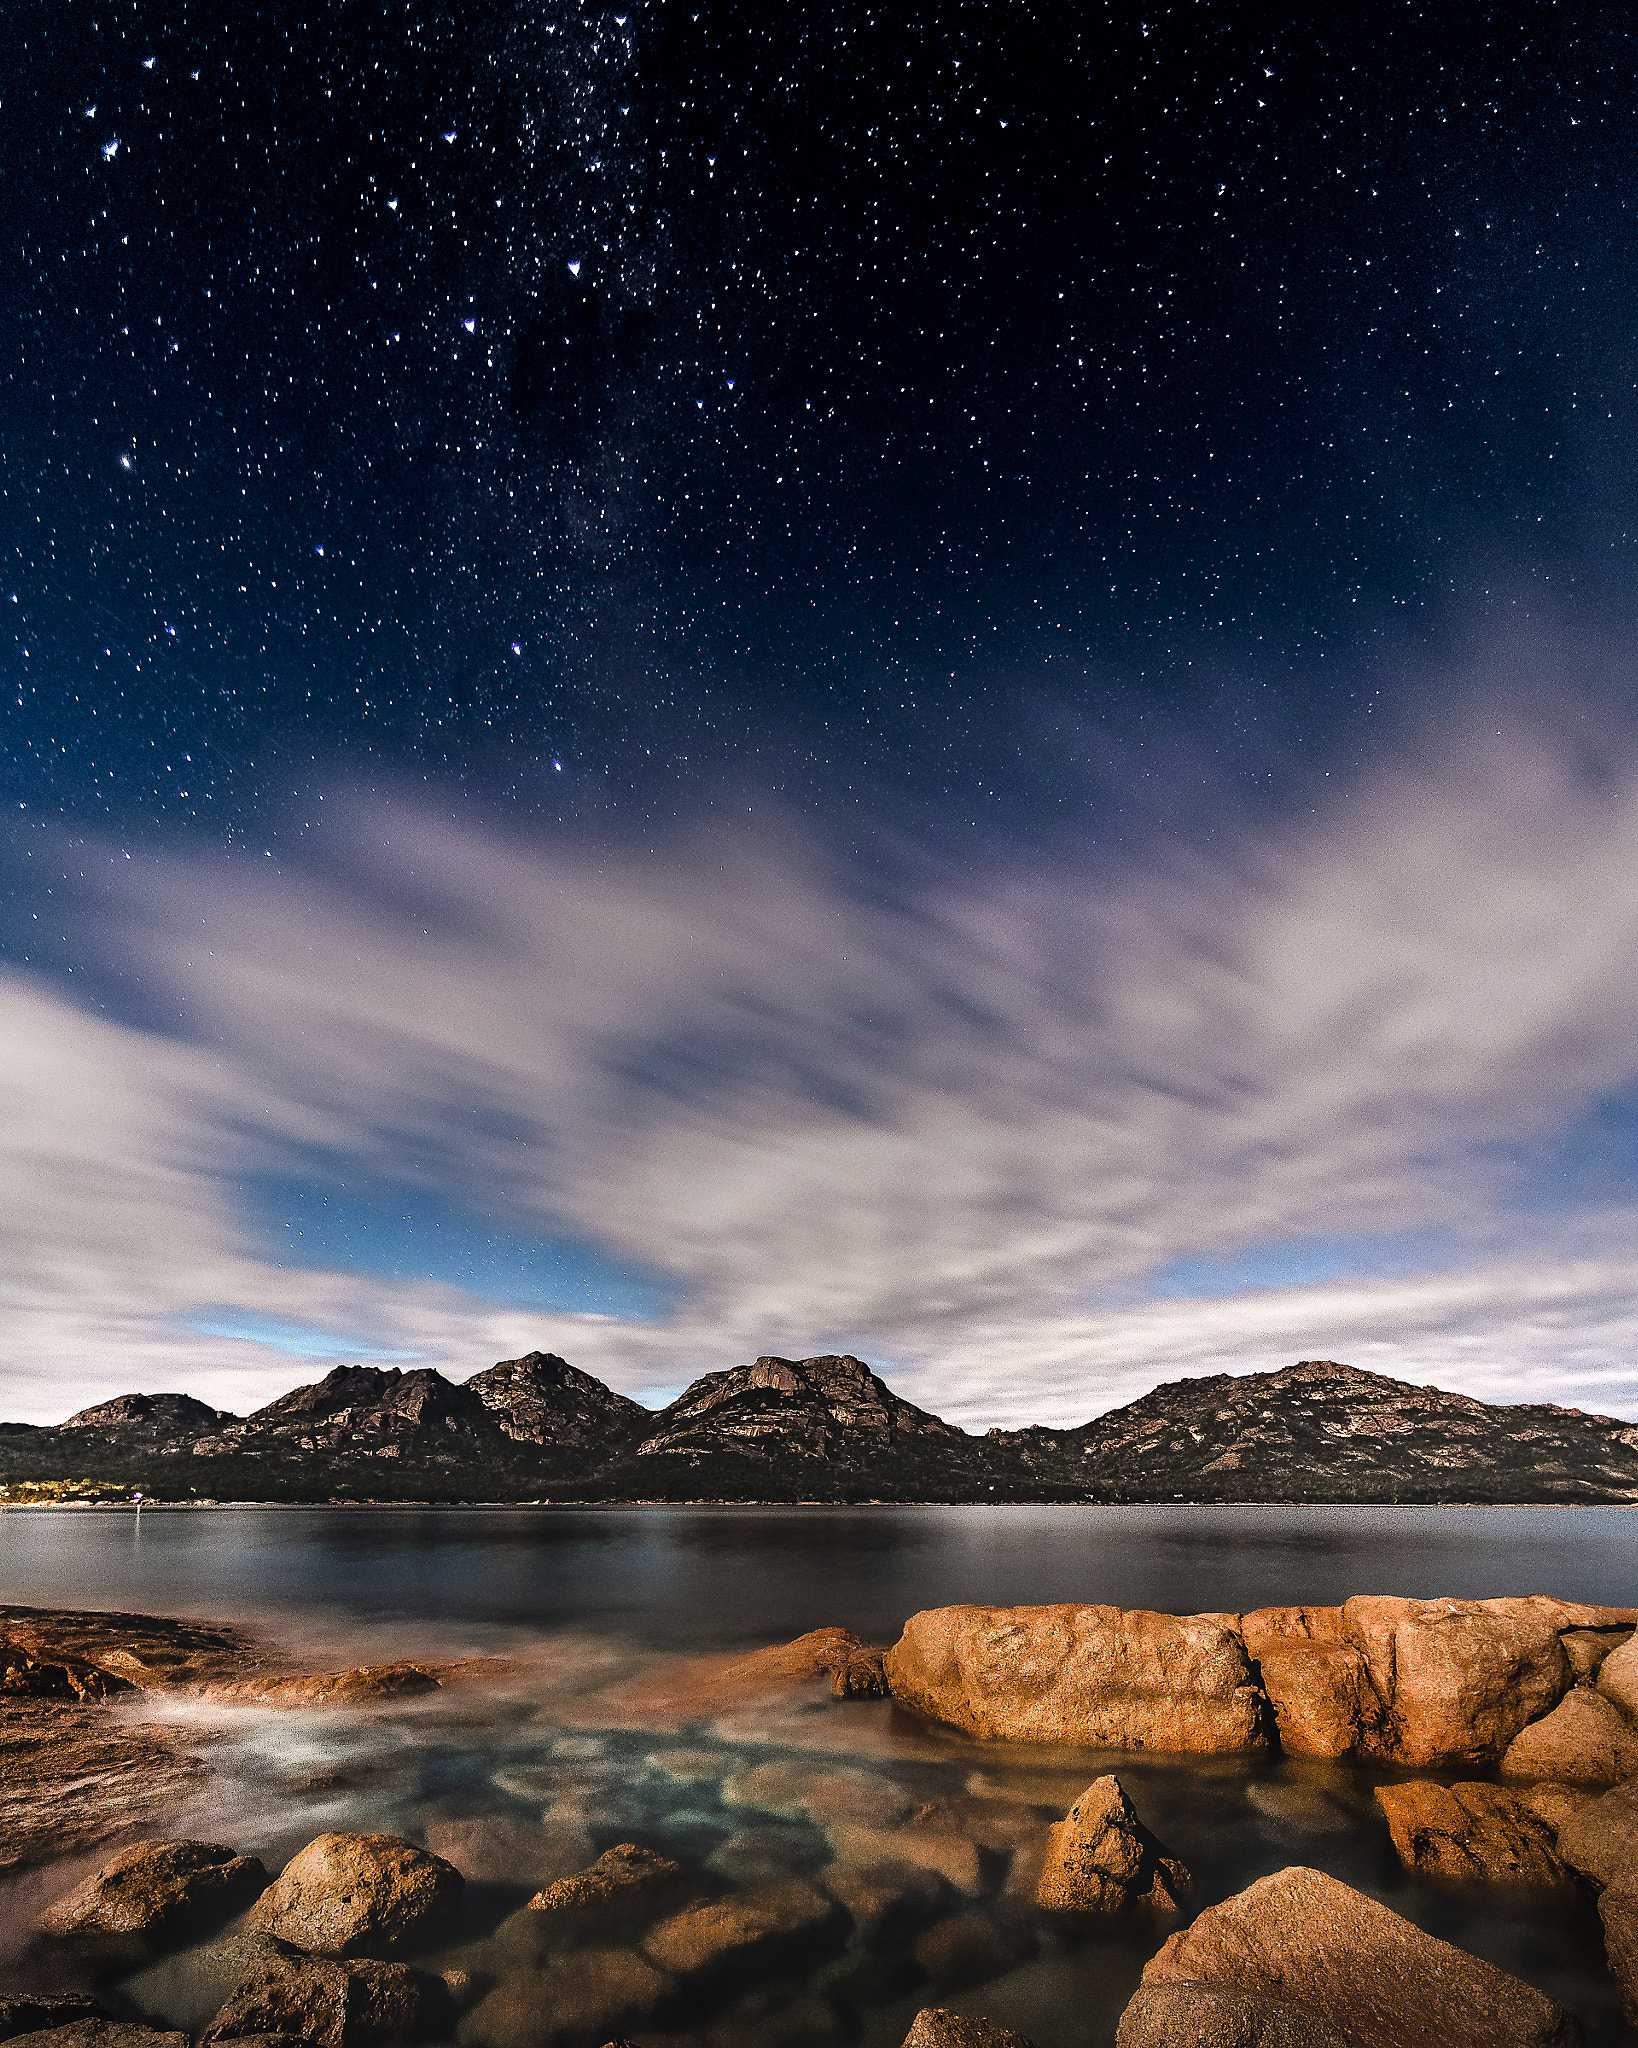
(520, 1781)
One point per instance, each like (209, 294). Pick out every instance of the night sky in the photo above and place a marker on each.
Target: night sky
(954, 682)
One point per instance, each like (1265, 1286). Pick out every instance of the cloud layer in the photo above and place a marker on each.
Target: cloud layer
(960, 1118)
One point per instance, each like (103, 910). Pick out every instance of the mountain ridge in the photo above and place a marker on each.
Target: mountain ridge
(828, 1428)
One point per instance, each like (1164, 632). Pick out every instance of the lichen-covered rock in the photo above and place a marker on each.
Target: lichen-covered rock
(362, 1895)
(1183, 2015)
(157, 1889)
(576, 2000)
(358, 2003)
(1460, 1678)
(934, 2027)
(1583, 1741)
(1092, 1675)
(624, 1887)
(1101, 1859)
(1379, 1980)
(1470, 1831)
(744, 1931)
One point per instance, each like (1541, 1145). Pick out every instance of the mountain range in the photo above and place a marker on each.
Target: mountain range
(822, 1429)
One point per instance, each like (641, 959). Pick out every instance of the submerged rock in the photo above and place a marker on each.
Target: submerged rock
(354, 2004)
(889, 1903)
(1092, 1675)
(973, 1947)
(155, 1889)
(1210, 2016)
(1585, 1740)
(187, 1989)
(1470, 1831)
(362, 1895)
(933, 2027)
(1379, 1980)
(773, 1924)
(1618, 1909)
(625, 1886)
(1101, 1859)
(576, 2001)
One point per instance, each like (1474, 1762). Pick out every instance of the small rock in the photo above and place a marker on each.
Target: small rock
(1601, 1841)
(354, 2004)
(579, 1999)
(934, 2027)
(624, 1887)
(888, 1903)
(26, 1675)
(157, 1888)
(773, 1923)
(1470, 1831)
(1102, 1859)
(1207, 2016)
(361, 1895)
(28, 2015)
(1585, 1740)
(1379, 1980)
(860, 1678)
(973, 1947)
(1618, 1677)
(1618, 1909)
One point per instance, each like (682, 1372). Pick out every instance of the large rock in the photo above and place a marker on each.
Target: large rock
(1583, 1741)
(157, 1889)
(934, 2027)
(746, 1931)
(1208, 2016)
(353, 2004)
(1601, 1841)
(1317, 1681)
(577, 2000)
(1618, 1677)
(362, 1895)
(1470, 1831)
(1101, 1859)
(626, 1886)
(1091, 1675)
(1588, 1650)
(1461, 1678)
(1381, 1982)
(1618, 1909)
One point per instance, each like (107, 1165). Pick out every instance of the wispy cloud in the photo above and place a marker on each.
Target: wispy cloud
(1036, 1132)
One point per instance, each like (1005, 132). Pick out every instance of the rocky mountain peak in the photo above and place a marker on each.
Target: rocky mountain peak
(171, 1414)
(815, 1405)
(542, 1399)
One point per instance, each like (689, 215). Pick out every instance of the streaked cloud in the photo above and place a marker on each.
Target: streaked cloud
(1034, 1132)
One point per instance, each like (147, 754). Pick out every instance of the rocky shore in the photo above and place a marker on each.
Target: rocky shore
(1498, 1739)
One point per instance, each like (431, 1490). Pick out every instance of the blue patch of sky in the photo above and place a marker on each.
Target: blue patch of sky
(1592, 1159)
(1299, 1262)
(394, 1232)
(296, 1340)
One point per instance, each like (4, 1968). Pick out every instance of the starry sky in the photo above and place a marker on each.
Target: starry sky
(949, 681)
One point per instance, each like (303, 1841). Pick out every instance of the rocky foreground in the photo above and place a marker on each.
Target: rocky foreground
(1503, 1735)
(819, 1429)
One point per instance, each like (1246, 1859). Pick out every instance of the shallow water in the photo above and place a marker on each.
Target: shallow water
(524, 1782)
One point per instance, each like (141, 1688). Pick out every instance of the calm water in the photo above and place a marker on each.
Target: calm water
(524, 1783)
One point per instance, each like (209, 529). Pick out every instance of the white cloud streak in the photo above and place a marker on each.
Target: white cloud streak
(952, 1123)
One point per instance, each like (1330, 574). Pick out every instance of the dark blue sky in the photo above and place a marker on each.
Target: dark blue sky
(950, 680)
